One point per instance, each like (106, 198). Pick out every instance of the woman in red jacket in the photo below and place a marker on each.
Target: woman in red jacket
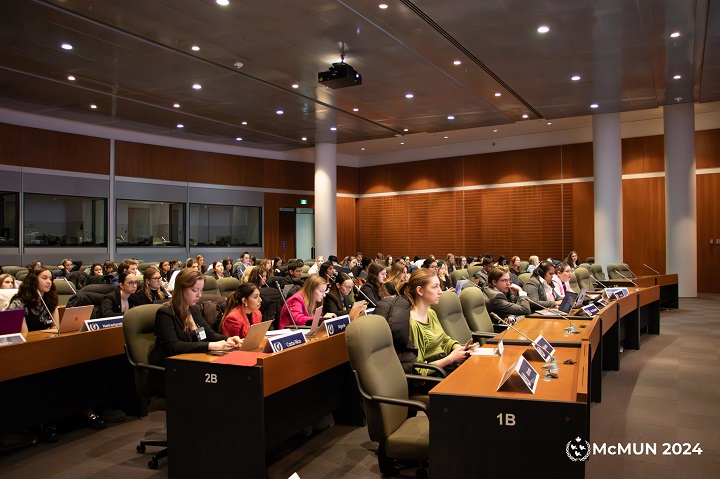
(241, 311)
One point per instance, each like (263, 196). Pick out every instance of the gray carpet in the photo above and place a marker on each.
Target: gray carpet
(665, 392)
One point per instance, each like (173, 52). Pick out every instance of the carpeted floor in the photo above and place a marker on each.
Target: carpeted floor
(667, 392)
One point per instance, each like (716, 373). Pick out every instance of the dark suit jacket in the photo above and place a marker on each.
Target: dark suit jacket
(110, 304)
(499, 304)
(535, 290)
(331, 305)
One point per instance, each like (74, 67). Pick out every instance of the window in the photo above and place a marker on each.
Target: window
(53, 220)
(150, 223)
(8, 219)
(218, 225)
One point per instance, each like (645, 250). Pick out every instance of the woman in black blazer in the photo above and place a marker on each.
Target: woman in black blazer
(374, 288)
(117, 302)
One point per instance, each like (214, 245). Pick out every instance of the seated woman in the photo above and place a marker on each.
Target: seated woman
(190, 263)
(327, 271)
(398, 275)
(316, 266)
(152, 289)
(7, 281)
(241, 310)
(462, 263)
(514, 270)
(374, 288)
(38, 297)
(217, 271)
(534, 262)
(227, 267)
(164, 267)
(443, 275)
(561, 280)
(572, 260)
(256, 276)
(450, 262)
(117, 302)
(300, 307)
(539, 287)
(417, 333)
(338, 301)
(277, 264)
(504, 298)
(179, 324)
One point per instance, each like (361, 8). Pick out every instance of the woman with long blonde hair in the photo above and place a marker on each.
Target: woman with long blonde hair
(299, 309)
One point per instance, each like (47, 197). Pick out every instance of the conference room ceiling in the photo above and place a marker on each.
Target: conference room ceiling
(134, 60)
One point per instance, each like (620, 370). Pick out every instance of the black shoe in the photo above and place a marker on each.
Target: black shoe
(113, 415)
(48, 433)
(94, 422)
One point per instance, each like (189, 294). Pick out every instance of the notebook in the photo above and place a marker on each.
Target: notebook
(11, 321)
(255, 336)
(73, 319)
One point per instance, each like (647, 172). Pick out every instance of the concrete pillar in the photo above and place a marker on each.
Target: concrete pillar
(325, 199)
(607, 164)
(680, 197)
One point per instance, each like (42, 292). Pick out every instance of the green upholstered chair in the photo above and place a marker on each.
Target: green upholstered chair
(597, 272)
(473, 269)
(139, 332)
(210, 287)
(574, 283)
(582, 276)
(524, 266)
(65, 290)
(459, 274)
(472, 301)
(452, 320)
(524, 277)
(227, 286)
(384, 389)
(13, 270)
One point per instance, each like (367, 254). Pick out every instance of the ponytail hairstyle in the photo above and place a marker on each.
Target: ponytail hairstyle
(541, 270)
(421, 277)
(235, 300)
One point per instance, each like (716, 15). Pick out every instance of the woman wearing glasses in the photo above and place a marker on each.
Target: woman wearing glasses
(338, 300)
(152, 289)
(117, 302)
(299, 309)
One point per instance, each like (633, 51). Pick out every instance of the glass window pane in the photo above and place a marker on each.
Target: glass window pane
(8, 219)
(150, 223)
(54, 220)
(219, 225)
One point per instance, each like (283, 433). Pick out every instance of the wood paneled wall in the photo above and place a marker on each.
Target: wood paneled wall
(708, 213)
(10, 145)
(347, 230)
(644, 224)
(271, 213)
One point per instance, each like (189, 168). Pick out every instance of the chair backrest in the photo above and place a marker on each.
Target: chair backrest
(618, 270)
(139, 331)
(210, 286)
(13, 270)
(306, 268)
(584, 265)
(20, 275)
(590, 259)
(64, 290)
(597, 272)
(472, 301)
(524, 277)
(582, 276)
(524, 266)
(373, 357)
(227, 286)
(452, 320)
(143, 266)
(99, 288)
(473, 269)
(574, 283)
(459, 274)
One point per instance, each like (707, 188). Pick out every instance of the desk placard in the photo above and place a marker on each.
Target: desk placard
(337, 325)
(526, 372)
(102, 323)
(544, 348)
(616, 293)
(591, 310)
(287, 341)
(8, 339)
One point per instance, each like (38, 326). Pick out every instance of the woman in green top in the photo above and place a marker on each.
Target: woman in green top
(434, 346)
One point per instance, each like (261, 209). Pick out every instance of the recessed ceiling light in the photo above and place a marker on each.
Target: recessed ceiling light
(304, 138)
(383, 6)
(244, 123)
(674, 34)
(451, 117)
(575, 77)
(238, 139)
(457, 62)
(279, 112)
(224, 3)
(333, 128)
(93, 106)
(677, 77)
(195, 48)
(494, 131)
(543, 29)
(678, 99)
(356, 109)
(409, 95)
(406, 129)
(525, 115)
(180, 125)
(445, 137)
(594, 105)
(71, 78)
(402, 142)
(498, 93)
(197, 86)
(66, 46)
(362, 149)
(549, 123)
(295, 85)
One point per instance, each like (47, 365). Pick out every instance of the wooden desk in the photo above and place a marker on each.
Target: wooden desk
(65, 374)
(668, 290)
(221, 418)
(649, 309)
(611, 337)
(629, 320)
(476, 431)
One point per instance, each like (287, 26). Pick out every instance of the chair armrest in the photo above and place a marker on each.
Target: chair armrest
(434, 367)
(150, 367)
(419, 377)
(499, 328)
(388, 400)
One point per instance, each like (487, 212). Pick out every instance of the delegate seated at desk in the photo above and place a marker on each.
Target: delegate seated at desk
(241, 311)
(501, 300)
(115, 303)
(539, 287)
(300, 307)
(38, 297)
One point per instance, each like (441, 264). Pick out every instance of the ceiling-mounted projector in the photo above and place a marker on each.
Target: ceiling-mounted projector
(340, 75)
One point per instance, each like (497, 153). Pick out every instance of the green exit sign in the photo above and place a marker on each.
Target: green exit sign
(303, 201)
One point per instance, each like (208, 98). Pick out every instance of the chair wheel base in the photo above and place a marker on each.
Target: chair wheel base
(140, 449)
(152, 464)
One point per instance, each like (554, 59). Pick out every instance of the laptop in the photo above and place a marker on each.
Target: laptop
(73, 319)
(11, 321)
(567, 304)
(255, 336)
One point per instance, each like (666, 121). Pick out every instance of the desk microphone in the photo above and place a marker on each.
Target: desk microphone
(570, 329)
(654, 270)
(595, 281)
(285, 305)
(631, 281)
(365, 295)
(631, 273)
(510, 326)
(57, 325)
(163, 238)
(69, 284)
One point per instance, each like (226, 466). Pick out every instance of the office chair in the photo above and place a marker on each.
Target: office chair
(383, 387)
(524, 266)
(612, 271)
(64, 289)
(597, 271)
(582, 276)
(210, 287)
(472, 301)
(574, 283)
(472, 270)
(524, 277)
(450, 314)
(139, 331)
(590, 259)
(459, 274)
(227, 286)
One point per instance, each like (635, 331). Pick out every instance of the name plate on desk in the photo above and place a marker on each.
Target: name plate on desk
(287, 341)
(544, 348)
(526, 372)
(591, 310)
(616, 293)
(102, 323)
(8, 339)
(337, 325)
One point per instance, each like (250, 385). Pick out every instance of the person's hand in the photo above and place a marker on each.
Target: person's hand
(458, 355)
(218, 345)
(235, 341)
(358, 309)
(515, 287)
(330, 315)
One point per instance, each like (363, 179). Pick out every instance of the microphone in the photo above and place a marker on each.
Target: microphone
(48, 310)
(285, 304)
(163, 238)
(595, 281)
(569, 329)
(510, 326)
(631, 281)
(652, 269)
(365, 295)
(69, 284)
(633, 274)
